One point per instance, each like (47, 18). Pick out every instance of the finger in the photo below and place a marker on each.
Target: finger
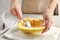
(47, 25)
(13, 12)
(50, 22)
(19, 13)
(44, 21)
(46, 28)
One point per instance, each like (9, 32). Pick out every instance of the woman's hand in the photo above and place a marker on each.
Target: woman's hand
(15, 10)
(48, 19)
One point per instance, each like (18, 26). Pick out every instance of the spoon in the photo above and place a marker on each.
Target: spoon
(27, 24)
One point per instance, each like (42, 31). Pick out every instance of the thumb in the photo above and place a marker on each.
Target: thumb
(18, 13)
(19, 16)
(43, 21)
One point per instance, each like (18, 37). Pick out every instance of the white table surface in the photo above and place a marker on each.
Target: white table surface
(37, 16)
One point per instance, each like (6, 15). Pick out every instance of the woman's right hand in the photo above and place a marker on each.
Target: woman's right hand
(15, 10)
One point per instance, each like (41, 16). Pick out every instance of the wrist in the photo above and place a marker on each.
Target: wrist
(14, 2)
(49, 11)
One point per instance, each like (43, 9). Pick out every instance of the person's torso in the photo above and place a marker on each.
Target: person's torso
(34, 6)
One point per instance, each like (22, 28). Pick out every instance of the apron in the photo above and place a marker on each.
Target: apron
(34, 6)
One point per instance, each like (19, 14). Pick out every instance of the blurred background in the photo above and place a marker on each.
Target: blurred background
(5, 5)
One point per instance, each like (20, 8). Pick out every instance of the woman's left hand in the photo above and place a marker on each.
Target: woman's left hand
(47, 19)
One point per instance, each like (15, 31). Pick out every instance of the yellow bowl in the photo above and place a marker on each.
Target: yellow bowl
(34, 29)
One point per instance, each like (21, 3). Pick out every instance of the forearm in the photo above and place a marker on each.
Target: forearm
(14, 1)
(52, 5)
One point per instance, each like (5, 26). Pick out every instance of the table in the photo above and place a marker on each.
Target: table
(34, 16)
